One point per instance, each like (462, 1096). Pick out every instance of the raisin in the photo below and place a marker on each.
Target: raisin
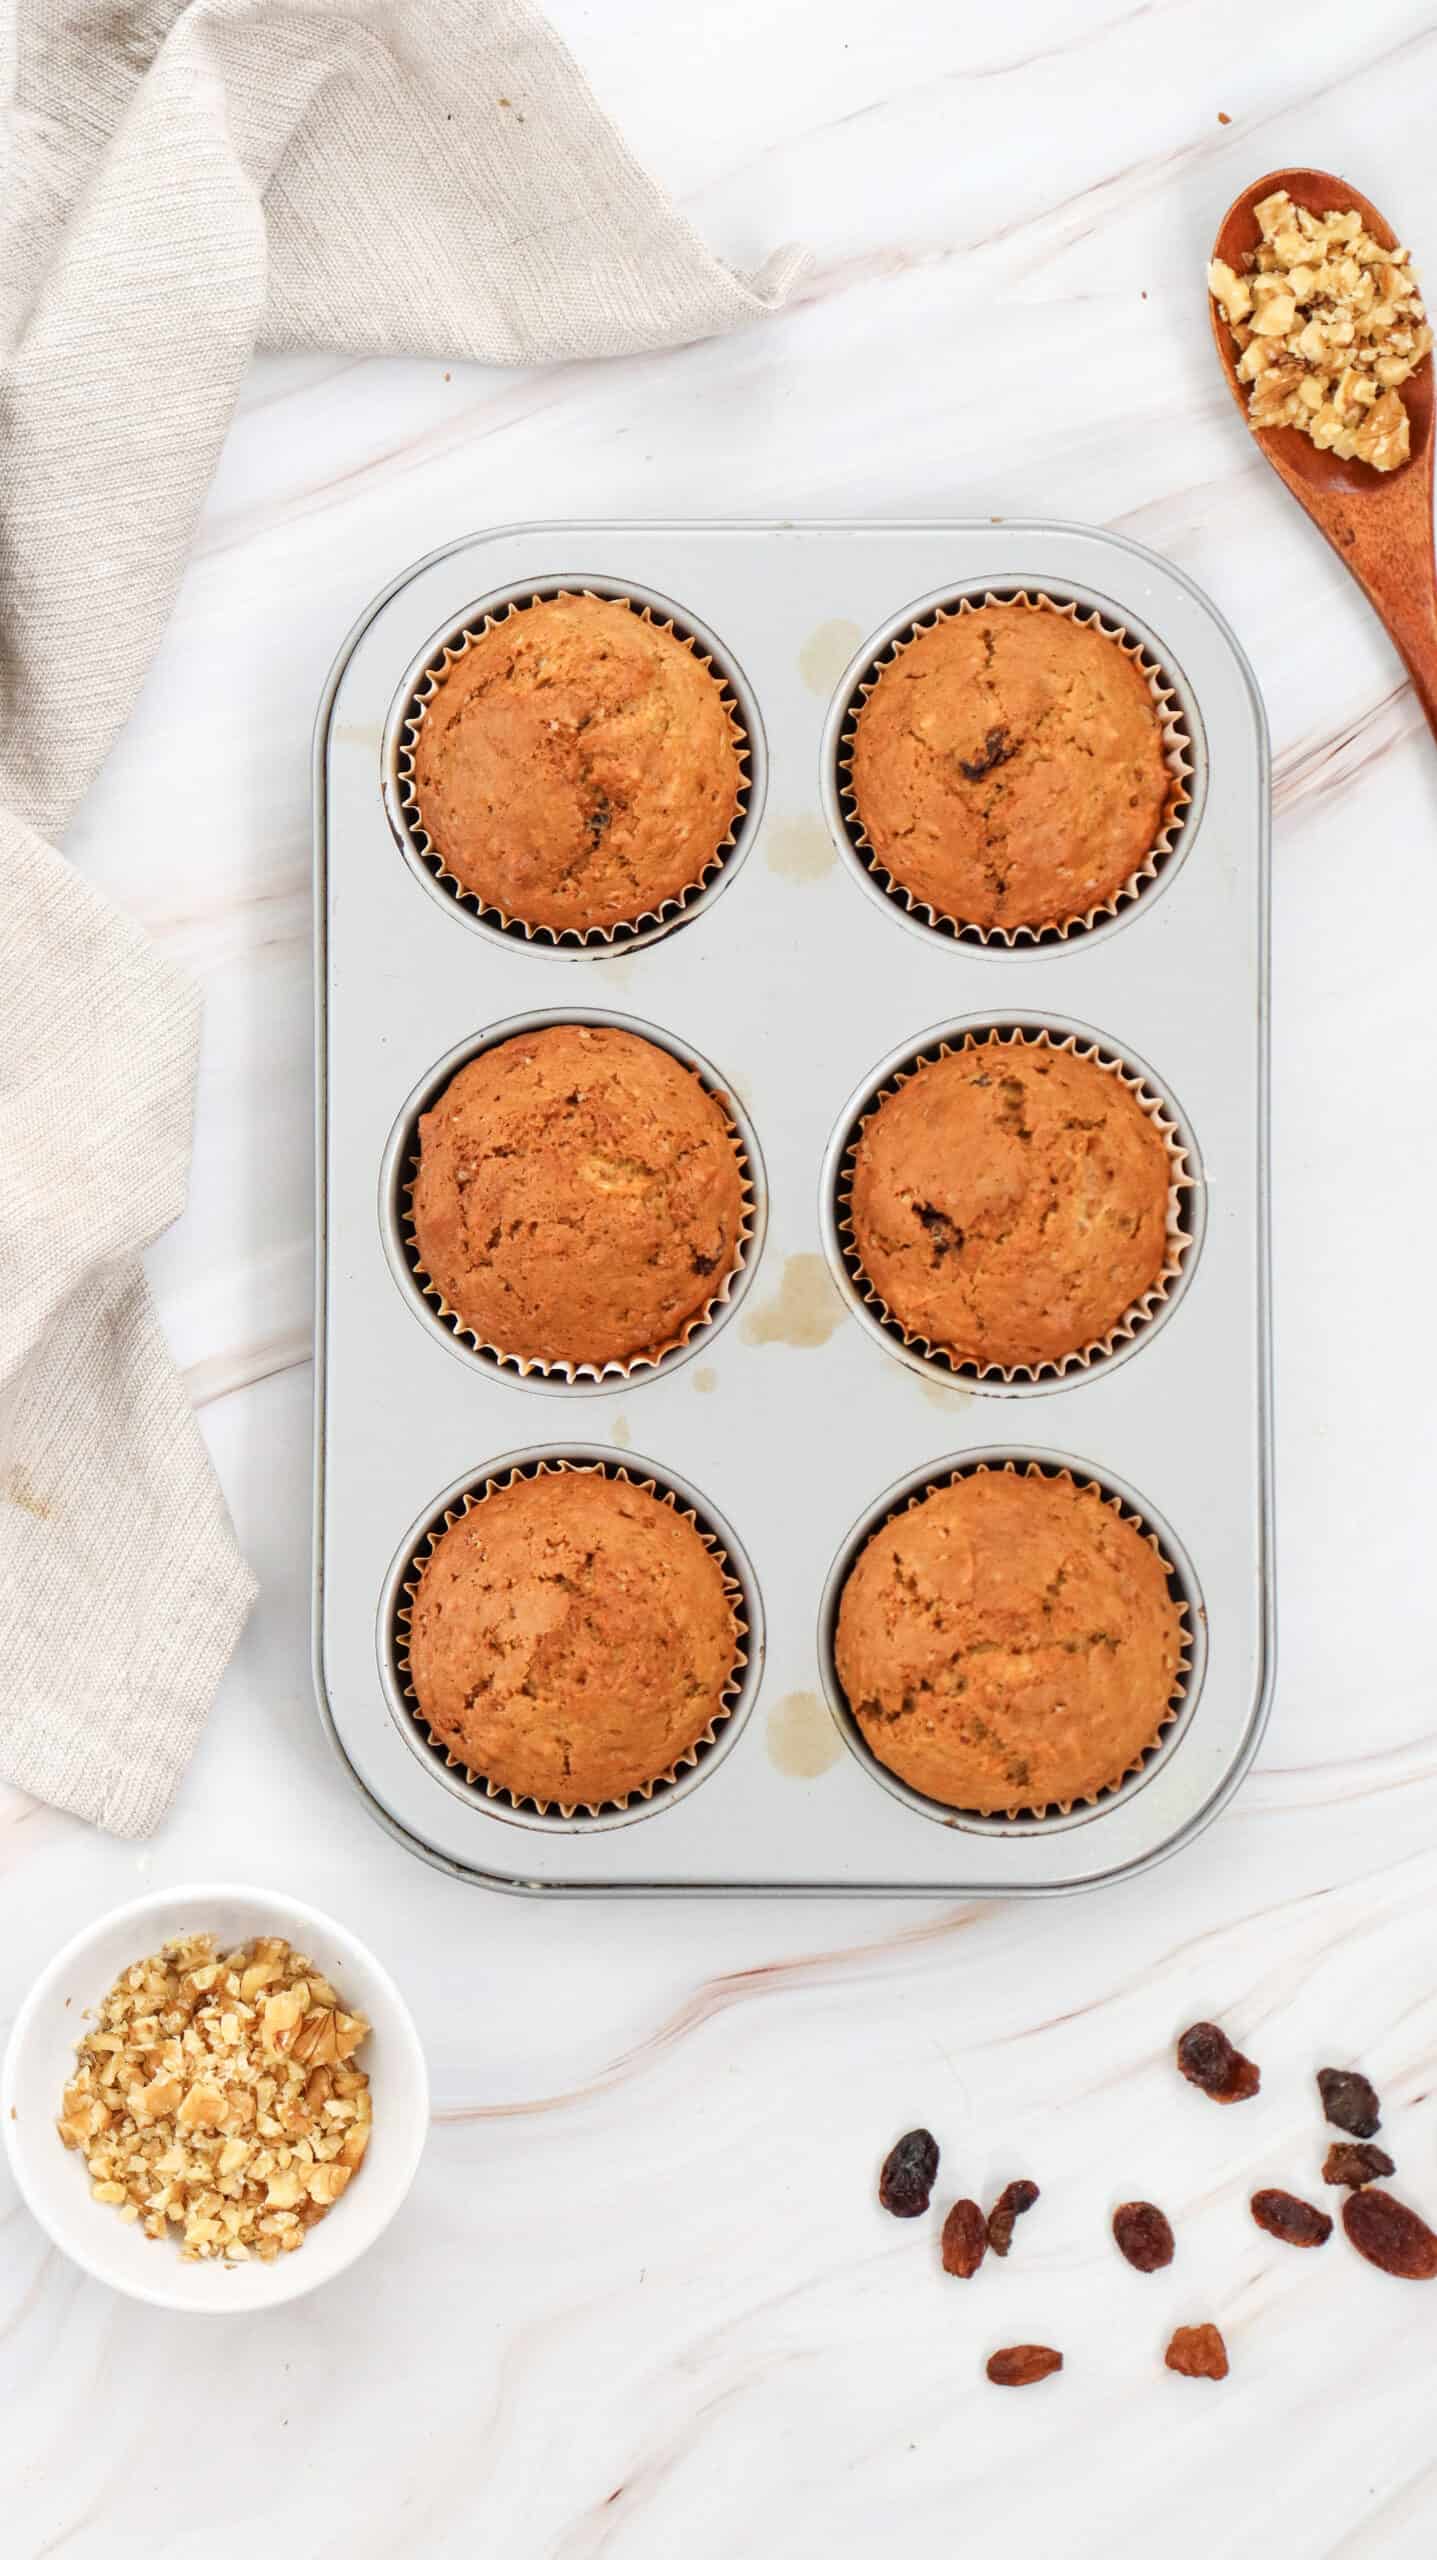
(1198, 2352)
(1019, 2196)
(1350, 2102)
(965, 2239)
(1013, 2366)
(1286, 2217)
(1145, 2237)
(1214, 2065)
(905, 2182)
(1355, 2164)
(1389, 2235)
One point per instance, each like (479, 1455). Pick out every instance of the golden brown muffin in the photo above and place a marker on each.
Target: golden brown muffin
(1009, 1202)
(577, 765)
(1008, 767)
(572, 1638)
(580, 1196)
(1011, 1641)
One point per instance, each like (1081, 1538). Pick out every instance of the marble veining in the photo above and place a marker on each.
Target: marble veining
(641, 2301)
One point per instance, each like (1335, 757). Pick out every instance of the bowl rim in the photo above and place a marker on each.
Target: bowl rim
(264, 1898)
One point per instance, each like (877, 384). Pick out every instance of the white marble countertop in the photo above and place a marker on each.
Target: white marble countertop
(641, 2302)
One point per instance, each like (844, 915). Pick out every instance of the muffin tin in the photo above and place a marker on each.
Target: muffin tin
(795, 1420)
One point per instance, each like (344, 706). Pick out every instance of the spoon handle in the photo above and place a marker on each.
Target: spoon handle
(1388, 546)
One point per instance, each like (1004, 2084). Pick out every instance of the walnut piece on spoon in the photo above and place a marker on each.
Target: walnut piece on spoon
(1329, 324)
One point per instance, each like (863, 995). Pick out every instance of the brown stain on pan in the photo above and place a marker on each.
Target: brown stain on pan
(799, 849)
(806, 1310)
(826, 653)
(801, 1736)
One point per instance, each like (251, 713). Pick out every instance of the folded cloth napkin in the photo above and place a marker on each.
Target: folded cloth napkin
(183, 183)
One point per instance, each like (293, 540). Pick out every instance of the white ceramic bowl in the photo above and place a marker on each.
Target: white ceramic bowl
(40, 2055)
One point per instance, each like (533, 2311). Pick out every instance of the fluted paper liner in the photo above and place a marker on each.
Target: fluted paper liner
(733, 1592)
(1134, 1318)
(1112, 1502)
(586, 1372)
(1176, 744)
(571, 936)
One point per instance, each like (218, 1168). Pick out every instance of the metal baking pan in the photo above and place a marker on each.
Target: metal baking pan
(792, 1425)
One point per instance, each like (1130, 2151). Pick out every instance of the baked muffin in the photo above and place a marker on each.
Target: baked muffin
(1009, 1642)
(1008, 767)
(1009, 1202)
(577, 766)
(580, 1196)
(572, 1639)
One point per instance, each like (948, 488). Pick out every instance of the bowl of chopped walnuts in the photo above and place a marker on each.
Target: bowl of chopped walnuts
(214, 2099)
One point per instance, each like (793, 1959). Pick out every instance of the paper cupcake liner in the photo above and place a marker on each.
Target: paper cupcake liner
(1035, 1814)
(587, 1373)
(733, 1592)
(613, 936)
(1134, 1318)
(1177, 748)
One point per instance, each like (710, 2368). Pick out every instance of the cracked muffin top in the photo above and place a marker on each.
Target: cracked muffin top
(1009, 1642)
(572, 1638)
(1009, 1202)
(577, 765)
(1008, 767)
(580, 1196)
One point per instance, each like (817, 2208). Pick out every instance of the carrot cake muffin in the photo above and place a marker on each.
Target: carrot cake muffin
(1008, 767)
(577, 765)
(571, 1639)
(1010, 1641)
(1009, 1202)
(580, 1196)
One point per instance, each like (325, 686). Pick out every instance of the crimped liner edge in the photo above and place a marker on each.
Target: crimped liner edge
(561, 937)
(1134, 1318)
(733, 1592)
(1177, 746)
(1036, 1814)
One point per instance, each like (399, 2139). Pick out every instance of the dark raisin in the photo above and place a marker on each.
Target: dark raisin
(1013, 2366)
(1198, 2352)
(1214, 2065)
(996, 749)
(905, 2182)
(1287, 2217)
(1355, 2164)
(1145, 2237)
(1350, 2102)
(1017, 2197)
(965, 2239)
(1389, 2235)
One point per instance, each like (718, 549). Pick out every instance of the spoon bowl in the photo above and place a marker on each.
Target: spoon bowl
(1378, 522)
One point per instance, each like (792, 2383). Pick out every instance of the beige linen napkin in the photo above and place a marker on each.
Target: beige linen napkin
(181, 184)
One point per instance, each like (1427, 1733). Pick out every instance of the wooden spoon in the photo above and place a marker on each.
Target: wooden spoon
(1378, 522)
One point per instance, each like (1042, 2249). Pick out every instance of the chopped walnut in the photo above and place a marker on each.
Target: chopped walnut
(1328, 324)
(217, 2097)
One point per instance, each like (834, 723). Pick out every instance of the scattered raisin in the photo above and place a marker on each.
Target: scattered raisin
(965, 2239)
(1198, 2352)
(1015, 2365)
(1389, 2235)
(905, 2182)
(1350, 2102)
(1019, 2196)
(1355, 2164)
(1288, 2218)
(1214, 2065)
(1145, 2237)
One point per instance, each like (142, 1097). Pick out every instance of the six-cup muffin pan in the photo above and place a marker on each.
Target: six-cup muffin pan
(798, 984)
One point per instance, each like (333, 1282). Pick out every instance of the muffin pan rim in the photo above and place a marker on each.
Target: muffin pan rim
(1022, 942)
(400, 1153)
(904, 1495)
(616, 1464)
(595, 942)
(1011, 554)
(969, 1375)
